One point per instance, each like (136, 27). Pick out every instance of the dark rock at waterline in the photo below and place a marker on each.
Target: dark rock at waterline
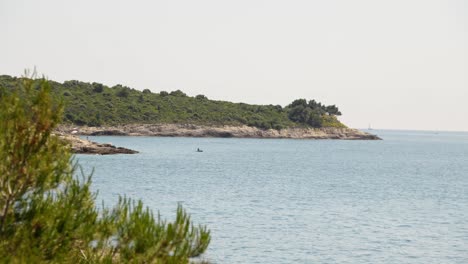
(103, 149)
(109, 133)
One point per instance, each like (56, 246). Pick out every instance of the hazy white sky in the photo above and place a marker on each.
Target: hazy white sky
(394, 64)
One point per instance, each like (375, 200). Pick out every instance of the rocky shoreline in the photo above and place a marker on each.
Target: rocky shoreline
(188, 130)
(83, 146)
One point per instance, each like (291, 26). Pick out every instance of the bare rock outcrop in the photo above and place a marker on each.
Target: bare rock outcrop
(83, 146)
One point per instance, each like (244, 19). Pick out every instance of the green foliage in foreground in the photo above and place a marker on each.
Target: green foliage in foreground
(95, 104)
(47, 215)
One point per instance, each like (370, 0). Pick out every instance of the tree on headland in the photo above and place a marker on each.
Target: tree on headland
(311, 113)
(49, 215)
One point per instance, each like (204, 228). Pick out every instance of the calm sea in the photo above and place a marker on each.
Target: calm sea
(400, 200)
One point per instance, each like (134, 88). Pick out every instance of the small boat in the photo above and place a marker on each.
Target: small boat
(199, 150)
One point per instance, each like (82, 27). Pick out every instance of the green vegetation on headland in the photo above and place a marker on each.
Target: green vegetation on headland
(94, 104)
(48, 215)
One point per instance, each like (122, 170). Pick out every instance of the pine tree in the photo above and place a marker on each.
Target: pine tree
(47, 214)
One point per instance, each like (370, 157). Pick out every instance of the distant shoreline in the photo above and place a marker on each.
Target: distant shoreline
(189, 130)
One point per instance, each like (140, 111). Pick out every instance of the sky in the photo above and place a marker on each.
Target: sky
(389, 64)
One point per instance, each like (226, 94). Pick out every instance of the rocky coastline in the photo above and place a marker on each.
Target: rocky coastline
(189, 130)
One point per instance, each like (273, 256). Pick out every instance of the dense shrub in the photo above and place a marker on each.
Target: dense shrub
(97, 87)
(123, 92)
(178, 93)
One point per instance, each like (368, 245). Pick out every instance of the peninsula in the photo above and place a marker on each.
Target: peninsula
(96, 109)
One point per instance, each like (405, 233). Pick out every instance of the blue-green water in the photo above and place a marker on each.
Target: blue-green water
(400, 200)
